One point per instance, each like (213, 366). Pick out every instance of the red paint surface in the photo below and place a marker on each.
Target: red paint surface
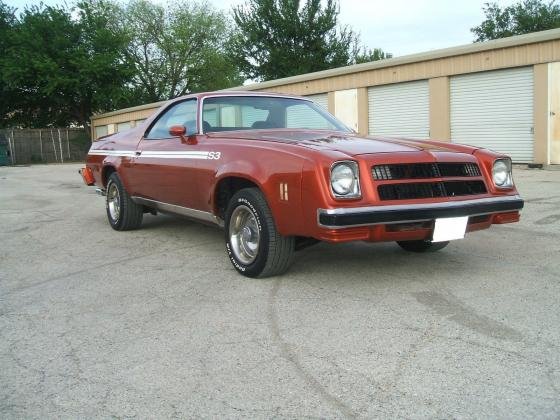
(266, 158)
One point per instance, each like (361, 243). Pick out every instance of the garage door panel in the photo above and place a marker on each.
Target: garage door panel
(494, 110)
(509, 114)
(475, 97)
(320, 99)
(495, 83)
(400, 110)
(467, 121)
(505, 142)
(490, 82)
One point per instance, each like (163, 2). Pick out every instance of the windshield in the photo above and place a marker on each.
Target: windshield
(227, 113)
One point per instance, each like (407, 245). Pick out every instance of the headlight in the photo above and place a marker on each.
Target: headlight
(345, 181)
(501, 173)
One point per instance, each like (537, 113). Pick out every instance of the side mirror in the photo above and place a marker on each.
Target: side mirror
(177, 130)
(181, 131)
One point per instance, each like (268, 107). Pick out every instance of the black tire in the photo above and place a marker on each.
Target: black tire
(422, 246)
(129, 214)
(273, 254)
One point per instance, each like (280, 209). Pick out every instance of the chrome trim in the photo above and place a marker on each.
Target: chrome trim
(356, 166)
(244, 234)
(397, 207)
(511, 183)
(203, 155)
(114, 202)
(166, 107)
(101, 192)
(155, 154)
(118, 153)
(203, 216)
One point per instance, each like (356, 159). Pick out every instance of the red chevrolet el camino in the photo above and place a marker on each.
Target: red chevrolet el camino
(279, 172)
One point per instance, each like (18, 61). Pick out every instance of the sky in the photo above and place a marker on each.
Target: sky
(400, 27)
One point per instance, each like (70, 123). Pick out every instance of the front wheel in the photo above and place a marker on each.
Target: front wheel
(422, 246)
(254, 246)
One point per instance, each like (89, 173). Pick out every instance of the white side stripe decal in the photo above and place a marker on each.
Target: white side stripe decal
(122, 153)
(194, 155)
(163, 153)
(156, 154)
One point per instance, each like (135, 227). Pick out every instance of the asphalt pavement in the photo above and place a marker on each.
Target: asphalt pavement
(155, 323)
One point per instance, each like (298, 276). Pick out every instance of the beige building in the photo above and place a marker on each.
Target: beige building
(502, 94)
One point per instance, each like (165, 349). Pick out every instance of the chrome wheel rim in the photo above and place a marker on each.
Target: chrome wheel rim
(113, 202)
(244, 234)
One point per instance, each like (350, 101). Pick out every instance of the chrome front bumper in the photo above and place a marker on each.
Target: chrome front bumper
(346, 217)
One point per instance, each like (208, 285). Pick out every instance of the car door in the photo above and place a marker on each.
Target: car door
(165, 166)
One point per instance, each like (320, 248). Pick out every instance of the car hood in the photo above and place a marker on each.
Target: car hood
(348, 143)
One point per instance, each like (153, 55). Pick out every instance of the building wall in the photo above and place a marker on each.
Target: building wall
(554, 112)
(440, 122)
(112, 119)
(540, 109)
(516, 56)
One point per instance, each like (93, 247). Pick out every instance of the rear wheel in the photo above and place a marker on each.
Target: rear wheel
(122, 212)
(422, 246)
(254, 246)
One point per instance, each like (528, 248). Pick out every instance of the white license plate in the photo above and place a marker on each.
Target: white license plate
(450, 228)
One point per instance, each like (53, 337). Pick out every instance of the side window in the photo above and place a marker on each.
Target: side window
(182, 113)
(227, 115)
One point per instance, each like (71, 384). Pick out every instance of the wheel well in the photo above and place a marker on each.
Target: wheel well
(225, 189)
(106, 173)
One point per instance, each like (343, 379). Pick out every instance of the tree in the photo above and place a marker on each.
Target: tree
(178, 50)
(371, 55)
(64, 68)
(7, 95)
(281, 38)
(520, 18)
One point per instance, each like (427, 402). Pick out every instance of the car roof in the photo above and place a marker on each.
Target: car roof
(202, 95)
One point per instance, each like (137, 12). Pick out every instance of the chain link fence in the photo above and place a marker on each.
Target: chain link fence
(43, 145)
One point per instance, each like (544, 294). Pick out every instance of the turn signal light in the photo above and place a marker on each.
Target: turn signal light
(502, 218)
(87, 176)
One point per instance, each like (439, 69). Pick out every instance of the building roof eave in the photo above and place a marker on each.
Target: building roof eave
(512, 41)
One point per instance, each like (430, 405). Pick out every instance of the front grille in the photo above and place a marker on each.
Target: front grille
(430, 189)
(424, 170)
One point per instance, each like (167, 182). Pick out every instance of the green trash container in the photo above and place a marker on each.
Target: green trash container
(4, 151)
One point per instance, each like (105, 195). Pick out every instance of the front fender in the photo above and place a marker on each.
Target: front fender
(280, 182)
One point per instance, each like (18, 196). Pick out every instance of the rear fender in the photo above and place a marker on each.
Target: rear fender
(114, 163)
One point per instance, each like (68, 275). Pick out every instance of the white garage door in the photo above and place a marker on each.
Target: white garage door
(494, 110)
(320, 99)
(401, 109)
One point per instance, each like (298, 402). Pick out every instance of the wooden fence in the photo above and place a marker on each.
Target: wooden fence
(45, 145)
